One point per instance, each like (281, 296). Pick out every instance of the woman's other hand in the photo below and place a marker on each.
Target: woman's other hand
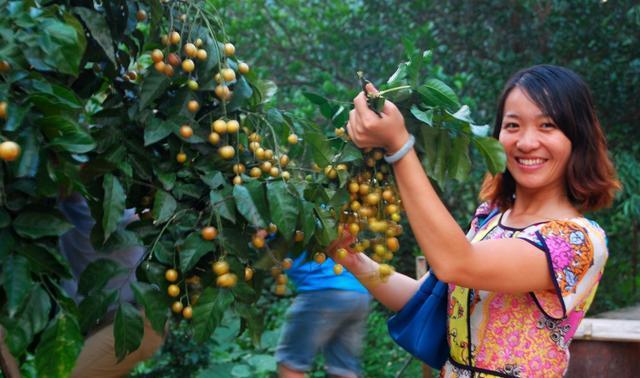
(367, 130)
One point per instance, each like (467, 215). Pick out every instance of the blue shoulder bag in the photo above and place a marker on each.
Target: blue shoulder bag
(420, 327)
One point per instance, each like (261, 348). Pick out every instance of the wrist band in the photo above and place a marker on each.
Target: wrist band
(402, 151)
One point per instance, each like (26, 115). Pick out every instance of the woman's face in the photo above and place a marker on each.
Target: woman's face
(537, 150)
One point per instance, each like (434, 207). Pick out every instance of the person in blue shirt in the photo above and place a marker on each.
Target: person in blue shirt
(328, 315)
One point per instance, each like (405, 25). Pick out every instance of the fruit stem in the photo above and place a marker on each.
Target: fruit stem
(394, 89)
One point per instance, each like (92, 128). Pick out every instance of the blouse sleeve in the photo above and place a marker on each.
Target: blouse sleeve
(576, 255)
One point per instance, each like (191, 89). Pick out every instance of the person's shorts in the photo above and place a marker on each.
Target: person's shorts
(328, 321)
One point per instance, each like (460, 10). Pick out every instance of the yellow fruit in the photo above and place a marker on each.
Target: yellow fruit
(188, 65)
(233, 126)
(354, 228)
(239, 169)
(168, 70)
(281, 290)
(393, 244)
(395, 217)
(353, 187)
(165, 40)
(219, 126)
(243, 68)
(171, 275)
(202, 54)
(226, 152)
(157, 56)
(227, 280)
(341, 253)
(9, 151)
(159, 67)
(258, 241)
(193, 85)
(286, 175)
(319, 257)
(187, 313)
(355, 206)
(209, 233)
(177, 307)
(248, 273)
(330, 172)
(229, 49)
(274, 172)
(292, 139)
(287, 263)
(282, 279)
(266, 167)
(340, 131)
(275, 271)
(298, 236)
(338, 269)
(198, 42)
(387, 195)
(255, 172)
(174, 38)
(385, 270)
(220, 267)
(373, 199)
(5, 66)
(272, 228)
(190, 49)
(181, 157)
(284, 160)
(228, 74)
(173, 290)
(222, 91)
(193, 106)
(341, 167)
(364, 189)
(391, 209)
(217, 78)
(214, 138)
(253, 146)
(186, 131)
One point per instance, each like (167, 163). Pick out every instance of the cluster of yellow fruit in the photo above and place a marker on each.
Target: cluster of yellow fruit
(373, 213)
(173, 290)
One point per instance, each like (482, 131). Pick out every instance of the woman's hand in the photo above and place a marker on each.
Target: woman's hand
(353, 261)
(367, 129)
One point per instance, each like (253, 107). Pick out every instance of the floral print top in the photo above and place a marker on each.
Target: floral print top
(526, 335)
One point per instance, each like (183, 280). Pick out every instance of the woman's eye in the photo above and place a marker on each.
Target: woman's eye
(548, 126)
(509, 125)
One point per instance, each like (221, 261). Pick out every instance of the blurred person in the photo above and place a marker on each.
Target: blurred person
(328, 316)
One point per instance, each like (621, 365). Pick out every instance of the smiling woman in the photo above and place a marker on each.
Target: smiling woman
(541, 110)
(527, 271)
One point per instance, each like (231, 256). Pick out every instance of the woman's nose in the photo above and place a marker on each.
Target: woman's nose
(528, 140)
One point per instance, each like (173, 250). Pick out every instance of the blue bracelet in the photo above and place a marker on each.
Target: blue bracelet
(402, 151)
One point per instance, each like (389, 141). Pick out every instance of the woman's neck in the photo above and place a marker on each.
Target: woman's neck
(532, 206)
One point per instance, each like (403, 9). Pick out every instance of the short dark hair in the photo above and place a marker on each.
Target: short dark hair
(566, 98)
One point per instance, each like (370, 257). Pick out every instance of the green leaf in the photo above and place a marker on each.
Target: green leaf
(156, 130)
(36, 310)
(284, 207)
(246, 206)
(34, 225)
(308, 220)
(65, 133)
(153, 87)
(235, 242)
(164, 206)
(222, 201)
(61, 45)
(459, 162)
(94, 307)
(97, 274)
(209, 311)
(263, 363)
(154, 303)
(29, 159)
(17, 282)
(213, 179)
(241, 371)
(113, 204)
(423, 116)
(99, 30)
(193, 248)
(492, 152)
(59, 347)
(5, 218)
(480, 130)
(128, 329)
(436, 93)
(320, 148)
(45, 259)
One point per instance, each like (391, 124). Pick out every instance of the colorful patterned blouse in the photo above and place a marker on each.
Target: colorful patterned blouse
(526, 335)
